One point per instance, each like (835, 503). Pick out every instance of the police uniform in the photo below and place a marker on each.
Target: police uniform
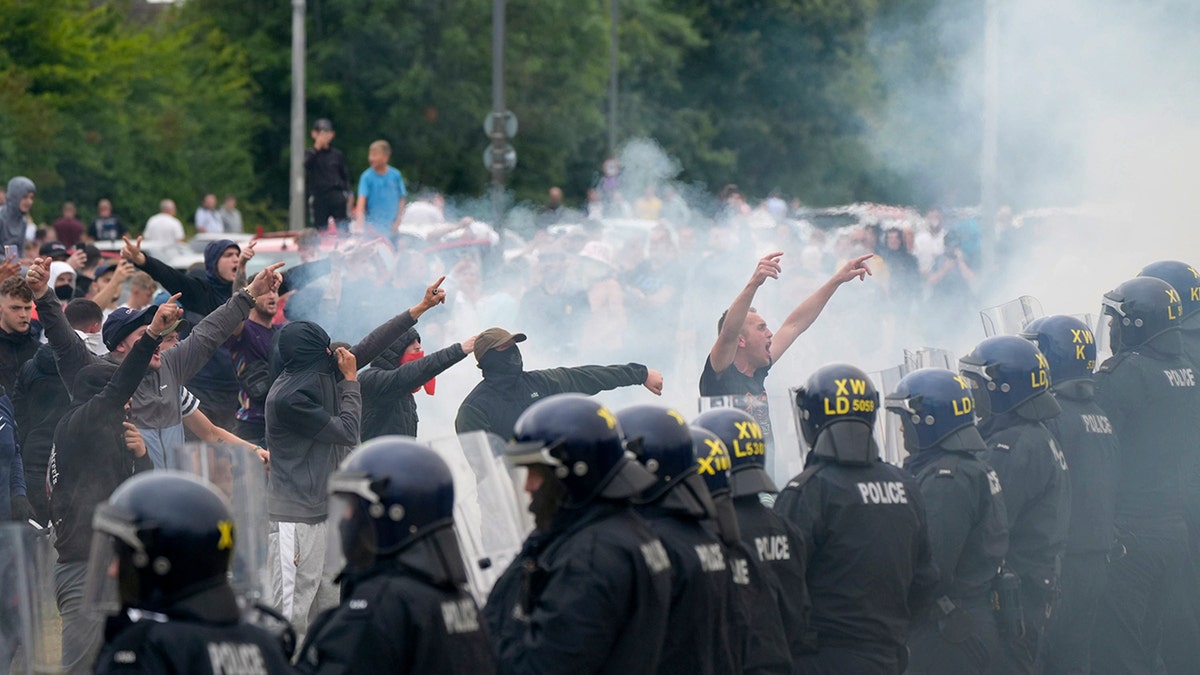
(757, 628)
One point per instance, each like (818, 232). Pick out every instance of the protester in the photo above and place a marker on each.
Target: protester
(14, 215)
(390, 384)
(163, 227)
(107, 226)
(231, 218)
(68, 228)
(327, 178)
(207, 219)
(18, 338)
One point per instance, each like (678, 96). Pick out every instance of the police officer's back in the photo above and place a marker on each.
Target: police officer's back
(870, 565)
(1011, 381)
(773, 541)
(403, 606)
(591, 589)
(697, 639)
(967, 522)
(171, 538)
(1088, 442)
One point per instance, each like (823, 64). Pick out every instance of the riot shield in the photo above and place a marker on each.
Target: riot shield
(780, 463)
(30, 632)
(928, 357)
(490, 513)
(1011, 317)
(241, 477)
(888, 432)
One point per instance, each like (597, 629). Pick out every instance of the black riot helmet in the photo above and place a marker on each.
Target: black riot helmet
(581, 441)
(172, 535)
(1140, 310)
(936, 409)
(393, 492)
(835, 410)
(1009, 374)
(1068, 345)
(744, 439)
(712, 464)
(1184, 278)
(662, 442)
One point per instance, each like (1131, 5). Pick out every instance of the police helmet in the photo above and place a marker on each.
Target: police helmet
(937, 409)
(1184, 278)
(394, 491)
(836, 411)
(713, 466)
(744, 439)
(171, 533)
(1141, 309)
(662, 442)
(581, 441)
(1068, 345)
(1009, 374)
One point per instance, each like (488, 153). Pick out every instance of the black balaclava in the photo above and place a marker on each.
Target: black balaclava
(501, 363)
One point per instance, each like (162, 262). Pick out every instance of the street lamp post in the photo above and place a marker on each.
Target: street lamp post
(614, 68)
(296, 210)
(989, 154)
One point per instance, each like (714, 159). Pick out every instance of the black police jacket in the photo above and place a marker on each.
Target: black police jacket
(968, 527)
(1037, 494)
(757, 628)
(869, 563)
(1089, 443)
(591, 595)
(394, 621)
(697, 639)
(1151, 398)
(781, 550)
(202, 634)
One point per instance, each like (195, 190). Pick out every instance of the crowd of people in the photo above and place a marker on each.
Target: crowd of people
(1043, 520)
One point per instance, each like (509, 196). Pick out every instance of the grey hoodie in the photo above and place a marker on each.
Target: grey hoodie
(12, 221)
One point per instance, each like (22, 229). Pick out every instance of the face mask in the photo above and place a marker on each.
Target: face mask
(94, 342)
(64, 293)
(507, 362)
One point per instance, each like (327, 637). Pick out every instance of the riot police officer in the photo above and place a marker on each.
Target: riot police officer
(170, 537)
(1011, 381)
(757, 630)
(697, 639)
(403, 606)
(967, 523)
(591, 589)
(1086, 438)
(869, 566)
(773, 541)
(1148, 390)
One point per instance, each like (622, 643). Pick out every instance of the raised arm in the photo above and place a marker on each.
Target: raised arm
(193, 292)
(70, 353)
(109, 294)
(129, 375)
(807, 312)
(595, 379)
(409, 376)
(725, 348)
(382, 337)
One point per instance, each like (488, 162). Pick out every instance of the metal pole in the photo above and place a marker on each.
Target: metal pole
(296, 210)
(499, 141)
(989, 197)
(614, 68)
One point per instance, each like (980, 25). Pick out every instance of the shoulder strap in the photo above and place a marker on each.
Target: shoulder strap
(805, 476)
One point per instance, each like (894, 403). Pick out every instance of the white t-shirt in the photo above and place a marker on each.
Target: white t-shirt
(163, 229)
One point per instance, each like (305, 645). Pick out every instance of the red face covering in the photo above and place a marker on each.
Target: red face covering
(409, 357)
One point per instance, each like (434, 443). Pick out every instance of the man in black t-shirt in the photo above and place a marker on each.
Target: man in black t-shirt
(327, 178)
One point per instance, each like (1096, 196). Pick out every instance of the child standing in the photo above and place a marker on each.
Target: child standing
(381, 194)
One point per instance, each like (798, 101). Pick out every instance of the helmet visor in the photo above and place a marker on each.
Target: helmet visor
(101, 597)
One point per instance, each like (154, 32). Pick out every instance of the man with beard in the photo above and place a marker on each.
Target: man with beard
(313, 412)
(508, 389)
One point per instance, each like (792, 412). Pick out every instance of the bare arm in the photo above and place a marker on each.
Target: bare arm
(108, 295)
(807, 312)
(725, 348)
(199, 424)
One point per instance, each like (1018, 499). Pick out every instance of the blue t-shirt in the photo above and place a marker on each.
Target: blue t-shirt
(383, 193)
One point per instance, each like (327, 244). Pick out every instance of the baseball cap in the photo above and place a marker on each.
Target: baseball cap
(105, 269)
(125, 320)
(54, 249)
(323, 124)
(494, 337)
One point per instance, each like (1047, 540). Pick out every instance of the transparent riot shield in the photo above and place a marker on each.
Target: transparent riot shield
(490, 513)
(929, 357)
(1011, 317)
(888, 433)
(241, 477)
(780, 462)
(30, 627)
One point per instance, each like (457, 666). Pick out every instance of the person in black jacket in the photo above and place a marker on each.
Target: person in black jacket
(328, 179)
(39, 402)
(1011, 380)
(775, 542)
(389, 407)
(1148, 390)
(95, 449)
(591, 588)
(698, 639)
(403, 607)
(19, 339)
(167, 537)
(967, 522)
(508, 389)
(1088, 441)
(870, 567)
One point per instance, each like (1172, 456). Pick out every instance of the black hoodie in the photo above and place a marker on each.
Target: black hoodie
(389, 407)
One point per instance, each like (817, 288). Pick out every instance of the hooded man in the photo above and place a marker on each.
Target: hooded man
(63, 276)
(14, 214)
(313, 419)
(216, 384)
(508, 389)
(389, 385)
